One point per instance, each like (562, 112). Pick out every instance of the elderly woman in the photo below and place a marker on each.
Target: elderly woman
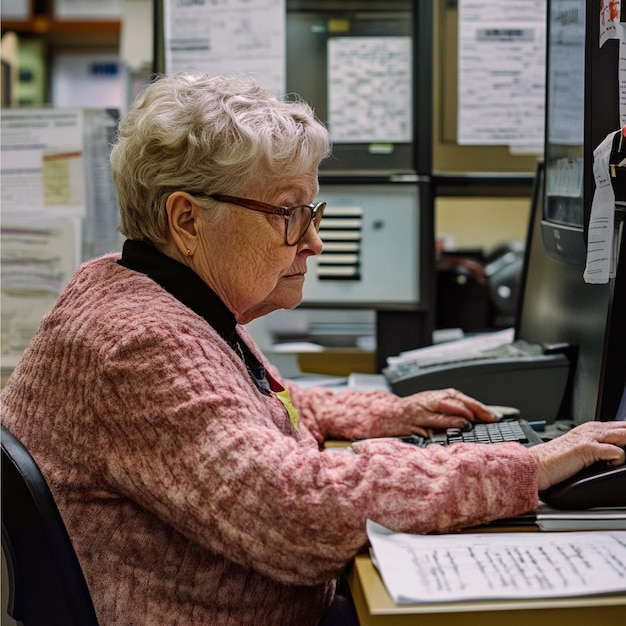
(189, 473)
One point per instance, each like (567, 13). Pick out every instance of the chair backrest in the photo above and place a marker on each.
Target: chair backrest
(46, 583)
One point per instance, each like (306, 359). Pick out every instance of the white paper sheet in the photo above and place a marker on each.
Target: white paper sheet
(42, 161)
(230, 36)
(370, 89)
(601, 244)
(38, 258)
(457, 349)
(588, 519)
(88, 9)
(58, 208)
(96, 79)
(443, 568)
(501, 93)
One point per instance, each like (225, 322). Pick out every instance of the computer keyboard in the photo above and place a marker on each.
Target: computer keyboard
(505, 430)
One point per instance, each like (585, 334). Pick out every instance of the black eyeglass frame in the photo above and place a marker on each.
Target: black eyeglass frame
(317, 211)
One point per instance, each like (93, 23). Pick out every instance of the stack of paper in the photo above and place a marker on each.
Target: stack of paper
(491, 566)
(590, 519)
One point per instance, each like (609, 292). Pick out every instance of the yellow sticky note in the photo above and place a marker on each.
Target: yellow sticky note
(285, 398)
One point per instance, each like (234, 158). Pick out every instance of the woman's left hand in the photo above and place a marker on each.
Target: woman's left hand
(441, 409)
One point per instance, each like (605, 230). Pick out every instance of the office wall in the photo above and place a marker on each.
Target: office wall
(482, 222)
(477, 222)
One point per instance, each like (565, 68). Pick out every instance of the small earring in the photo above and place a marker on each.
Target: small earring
(189, 253)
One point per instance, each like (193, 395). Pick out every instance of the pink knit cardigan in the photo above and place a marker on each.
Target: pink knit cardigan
(189, 496)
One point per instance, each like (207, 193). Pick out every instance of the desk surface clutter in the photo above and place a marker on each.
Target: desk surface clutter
(492, 578)
(498, 566)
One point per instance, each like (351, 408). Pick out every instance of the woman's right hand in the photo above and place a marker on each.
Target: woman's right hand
(582, 446)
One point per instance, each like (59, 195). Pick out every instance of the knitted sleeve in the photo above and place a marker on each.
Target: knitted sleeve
(185, 435)
(349, 415)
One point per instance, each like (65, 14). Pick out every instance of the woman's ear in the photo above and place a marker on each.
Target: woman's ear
(182, 214)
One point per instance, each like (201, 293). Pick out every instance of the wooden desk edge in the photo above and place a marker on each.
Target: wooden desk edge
(371, 599)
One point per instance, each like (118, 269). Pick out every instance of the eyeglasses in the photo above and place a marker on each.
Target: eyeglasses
(297, 218)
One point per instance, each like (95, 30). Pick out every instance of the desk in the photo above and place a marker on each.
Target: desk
(376, 608)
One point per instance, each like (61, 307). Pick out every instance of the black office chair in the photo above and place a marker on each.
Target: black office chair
(46, 583)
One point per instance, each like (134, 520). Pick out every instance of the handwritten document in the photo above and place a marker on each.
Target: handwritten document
(489, 566)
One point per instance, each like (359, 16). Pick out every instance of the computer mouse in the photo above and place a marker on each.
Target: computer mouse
(599, 485)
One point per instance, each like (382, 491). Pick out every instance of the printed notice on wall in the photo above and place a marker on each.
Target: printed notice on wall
(501, 88)
(369, 89)
(490, 566)
(42, 161)
(37, 261)
(227, 37)
(58, 208)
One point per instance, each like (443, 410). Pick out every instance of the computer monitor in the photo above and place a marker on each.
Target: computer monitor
(563, 209)
(582, 108)
(558, 307)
